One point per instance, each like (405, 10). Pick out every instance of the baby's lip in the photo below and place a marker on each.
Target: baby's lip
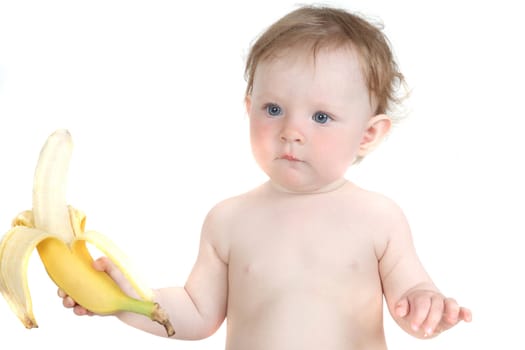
(289, 157)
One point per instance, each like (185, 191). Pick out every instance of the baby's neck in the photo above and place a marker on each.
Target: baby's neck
(331, 187)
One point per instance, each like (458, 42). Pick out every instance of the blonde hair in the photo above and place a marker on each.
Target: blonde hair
(317, 27)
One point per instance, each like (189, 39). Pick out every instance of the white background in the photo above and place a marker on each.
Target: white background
(152, 93)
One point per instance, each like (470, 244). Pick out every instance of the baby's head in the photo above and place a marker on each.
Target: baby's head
(313, 28)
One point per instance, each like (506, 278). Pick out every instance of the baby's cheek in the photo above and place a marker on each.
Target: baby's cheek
(260, 131)
(260, 138)
(335, 155)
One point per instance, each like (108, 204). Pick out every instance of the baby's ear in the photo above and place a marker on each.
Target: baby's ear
(248, 103)
(376, 130)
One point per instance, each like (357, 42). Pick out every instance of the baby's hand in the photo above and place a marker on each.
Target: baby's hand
(68, 302)
(426, 313)
(101, 264)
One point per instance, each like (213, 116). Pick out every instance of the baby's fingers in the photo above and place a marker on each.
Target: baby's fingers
(66, 300)
(451, 313)
(69, 303)
(419, 310)
(435, 313)
(80, 311)
(61, 293)
(402, 308)
(454, 313)
(465, 314)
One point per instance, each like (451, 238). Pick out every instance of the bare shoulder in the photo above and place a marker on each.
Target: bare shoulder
(220, 221)
(377, 204)
(222, 213)
(385, 218)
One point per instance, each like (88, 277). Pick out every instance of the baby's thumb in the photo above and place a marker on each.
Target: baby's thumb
(103, 264)
(402, 308)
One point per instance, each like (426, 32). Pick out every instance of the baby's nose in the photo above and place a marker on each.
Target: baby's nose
(292, 135)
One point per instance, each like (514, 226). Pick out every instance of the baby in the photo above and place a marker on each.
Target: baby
(304, 260)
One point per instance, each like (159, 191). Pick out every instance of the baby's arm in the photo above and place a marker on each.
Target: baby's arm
(196, 310)
(412, 298)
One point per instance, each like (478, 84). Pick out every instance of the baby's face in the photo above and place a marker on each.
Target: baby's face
(308, 117)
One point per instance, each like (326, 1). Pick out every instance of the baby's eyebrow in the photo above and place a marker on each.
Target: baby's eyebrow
(266, 95)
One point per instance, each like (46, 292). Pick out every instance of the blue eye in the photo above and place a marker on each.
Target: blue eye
(321, 118)
(273, 110)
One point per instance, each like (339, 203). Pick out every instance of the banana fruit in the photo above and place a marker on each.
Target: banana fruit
(58, 233)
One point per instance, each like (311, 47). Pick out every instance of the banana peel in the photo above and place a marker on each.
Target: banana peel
(57, 231)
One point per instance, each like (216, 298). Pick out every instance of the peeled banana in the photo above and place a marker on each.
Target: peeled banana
(58, 233)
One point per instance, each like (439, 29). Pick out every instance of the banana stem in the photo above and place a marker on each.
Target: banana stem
(160, 316)
(153, 311)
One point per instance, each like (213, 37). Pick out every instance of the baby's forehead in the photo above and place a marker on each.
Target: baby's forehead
(336, 67)
(310, 55)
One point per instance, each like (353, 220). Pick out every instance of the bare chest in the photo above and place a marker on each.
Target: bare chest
(317, 251)
(303, 274)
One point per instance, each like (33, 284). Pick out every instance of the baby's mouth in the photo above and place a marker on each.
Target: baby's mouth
(290, 158)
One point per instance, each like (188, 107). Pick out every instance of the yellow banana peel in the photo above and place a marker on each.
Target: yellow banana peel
(57, 231)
